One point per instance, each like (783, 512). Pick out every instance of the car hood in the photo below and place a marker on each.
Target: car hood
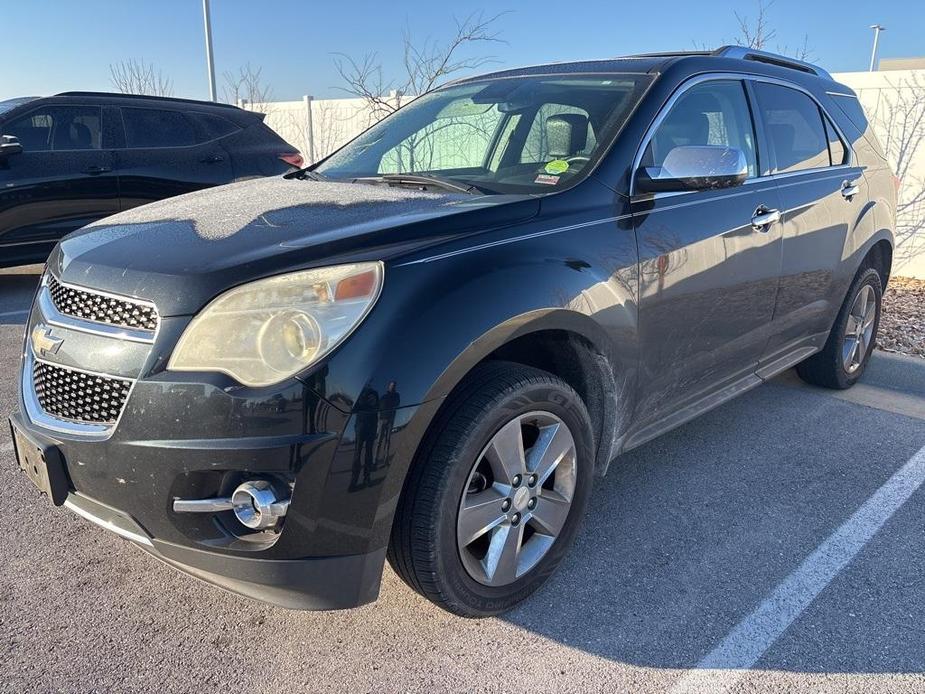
(183, 251)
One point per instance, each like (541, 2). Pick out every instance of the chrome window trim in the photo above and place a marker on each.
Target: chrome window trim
(37, 415)
(741, 77)
(85, 325)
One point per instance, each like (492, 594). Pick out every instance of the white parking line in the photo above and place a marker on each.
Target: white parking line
(729, 661)
(7, 314)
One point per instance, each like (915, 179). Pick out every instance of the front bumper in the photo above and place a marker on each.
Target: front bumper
(318, 583)
(330, 551)
(200, 435)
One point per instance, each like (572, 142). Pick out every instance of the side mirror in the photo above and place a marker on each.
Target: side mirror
(9, 146)
(694, 167)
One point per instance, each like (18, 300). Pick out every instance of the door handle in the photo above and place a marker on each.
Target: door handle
(849, 189)
(97, 170)
(212, 159)
(764, 218)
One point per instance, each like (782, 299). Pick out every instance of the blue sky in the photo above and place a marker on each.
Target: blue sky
(54, 45)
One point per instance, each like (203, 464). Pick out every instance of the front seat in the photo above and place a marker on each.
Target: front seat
(73, 136)
(566, 135)
(686, 124)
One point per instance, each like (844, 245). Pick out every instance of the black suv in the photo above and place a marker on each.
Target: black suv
(427, 347)
(70, 159)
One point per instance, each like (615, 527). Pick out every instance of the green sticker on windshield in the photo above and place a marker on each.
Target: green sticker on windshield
(557, 166)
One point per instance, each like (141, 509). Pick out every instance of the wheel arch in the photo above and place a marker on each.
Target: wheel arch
(571, 346)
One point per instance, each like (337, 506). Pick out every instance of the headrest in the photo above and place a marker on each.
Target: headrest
(566, 134)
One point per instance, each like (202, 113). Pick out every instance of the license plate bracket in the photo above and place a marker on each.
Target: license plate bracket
(43, 464)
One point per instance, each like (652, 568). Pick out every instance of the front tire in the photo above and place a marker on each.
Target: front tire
(496, 495)
(850, 343)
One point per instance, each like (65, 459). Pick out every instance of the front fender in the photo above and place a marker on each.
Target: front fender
(436, 320)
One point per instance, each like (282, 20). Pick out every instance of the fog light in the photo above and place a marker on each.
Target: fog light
(256, 505)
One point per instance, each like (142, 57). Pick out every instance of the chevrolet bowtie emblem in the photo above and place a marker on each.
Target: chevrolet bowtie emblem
(44, 342)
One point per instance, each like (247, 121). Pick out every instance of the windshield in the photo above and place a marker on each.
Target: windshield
(10, 104)
(514, 135)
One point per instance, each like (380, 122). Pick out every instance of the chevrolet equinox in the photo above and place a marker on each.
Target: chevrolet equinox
(427, 347)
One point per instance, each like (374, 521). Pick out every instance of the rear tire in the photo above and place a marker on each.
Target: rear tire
(850, 343)
(442, 546)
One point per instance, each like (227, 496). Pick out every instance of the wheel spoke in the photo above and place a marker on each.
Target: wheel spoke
(851, 326)
(503, 554)
(553, 444)
(479, 514)
(506, 453)
(871, 315)
(861, 350)
(550, 513)
(861, 303)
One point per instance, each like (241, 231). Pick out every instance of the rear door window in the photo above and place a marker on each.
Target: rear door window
(147, 128)
(794, 127)
(58, 128)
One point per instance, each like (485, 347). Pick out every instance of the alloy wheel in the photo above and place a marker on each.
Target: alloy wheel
(859, 329)
(517, 498)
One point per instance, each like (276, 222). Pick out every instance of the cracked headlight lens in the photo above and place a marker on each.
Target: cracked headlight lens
(266, 331)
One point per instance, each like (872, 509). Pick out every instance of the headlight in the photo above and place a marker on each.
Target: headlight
(266, 331)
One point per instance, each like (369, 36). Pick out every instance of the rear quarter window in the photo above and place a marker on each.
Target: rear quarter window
(850, 110)
(211, 127)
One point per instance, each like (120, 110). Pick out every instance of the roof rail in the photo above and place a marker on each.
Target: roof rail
(148, 97)
(744, 53)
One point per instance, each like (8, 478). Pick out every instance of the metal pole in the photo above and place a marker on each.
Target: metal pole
(207, 18)
(873, 53)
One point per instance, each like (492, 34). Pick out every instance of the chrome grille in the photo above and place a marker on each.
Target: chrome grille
(101, 308)
(77, 395)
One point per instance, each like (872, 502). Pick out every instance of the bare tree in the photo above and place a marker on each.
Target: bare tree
(899, 120)
(246, 85)
(757, 32)
(425, 65)
(138, 77)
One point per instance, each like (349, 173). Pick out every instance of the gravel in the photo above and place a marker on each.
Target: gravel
(902, 326)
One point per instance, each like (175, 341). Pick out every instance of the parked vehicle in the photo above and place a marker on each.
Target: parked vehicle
(70, 159)
(426, 347)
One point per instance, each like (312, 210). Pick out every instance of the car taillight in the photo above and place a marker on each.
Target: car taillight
(293, 159)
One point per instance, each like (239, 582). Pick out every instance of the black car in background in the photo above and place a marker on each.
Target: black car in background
(70, 159)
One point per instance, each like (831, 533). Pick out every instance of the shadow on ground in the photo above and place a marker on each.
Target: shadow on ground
(688, 534)
(17, 287)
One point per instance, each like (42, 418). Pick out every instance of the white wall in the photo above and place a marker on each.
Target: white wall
(895, 104)
(894, 101)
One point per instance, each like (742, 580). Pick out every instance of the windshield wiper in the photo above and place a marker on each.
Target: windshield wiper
(306, 173)
(425, 181)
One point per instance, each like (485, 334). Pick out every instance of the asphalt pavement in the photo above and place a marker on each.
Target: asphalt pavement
(775, 544)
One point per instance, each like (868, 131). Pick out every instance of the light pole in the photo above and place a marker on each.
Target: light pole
(873, 53)
(207, 19)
